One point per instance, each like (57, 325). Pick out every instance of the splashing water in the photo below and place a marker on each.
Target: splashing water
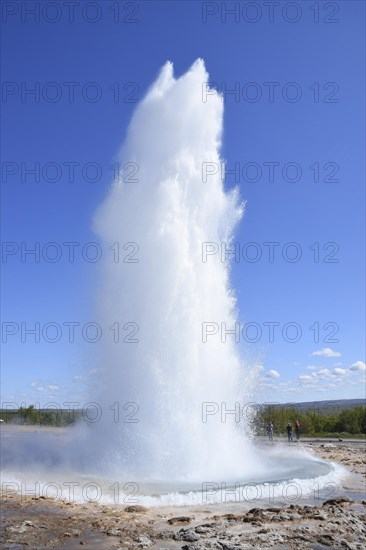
(170, 211)
(154, 392)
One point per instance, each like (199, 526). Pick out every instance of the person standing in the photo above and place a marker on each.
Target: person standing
(289, 431)
(270, 431)
(297, 430)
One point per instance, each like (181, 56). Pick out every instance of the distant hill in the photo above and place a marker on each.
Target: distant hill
(329, 406)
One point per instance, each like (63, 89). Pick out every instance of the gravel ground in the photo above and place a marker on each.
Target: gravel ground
(337, 522)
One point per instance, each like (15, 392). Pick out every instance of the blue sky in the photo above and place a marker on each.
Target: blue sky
(298, 76)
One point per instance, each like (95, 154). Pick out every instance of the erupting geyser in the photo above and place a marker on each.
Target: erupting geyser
(156, 382)
(169, 210)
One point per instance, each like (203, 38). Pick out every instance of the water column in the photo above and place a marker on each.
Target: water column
(169, 211)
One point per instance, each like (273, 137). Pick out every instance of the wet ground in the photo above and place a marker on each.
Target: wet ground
(317, 522)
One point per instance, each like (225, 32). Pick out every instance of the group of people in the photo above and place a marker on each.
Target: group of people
(288, 428)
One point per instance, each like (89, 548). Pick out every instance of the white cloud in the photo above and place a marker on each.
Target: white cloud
(324, 373)
(48, 388)
(294, 389)
(79, 378)
(272, 374)
(40, 386)
(306, 378)
(358, 366)
(340, 372)
(327, 352)
(314, 376)
(312, 367)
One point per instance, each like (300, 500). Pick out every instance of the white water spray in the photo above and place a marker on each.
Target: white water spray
(153, 392)
(169, 211)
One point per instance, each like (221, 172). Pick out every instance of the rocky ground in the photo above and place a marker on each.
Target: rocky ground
(338, 522)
